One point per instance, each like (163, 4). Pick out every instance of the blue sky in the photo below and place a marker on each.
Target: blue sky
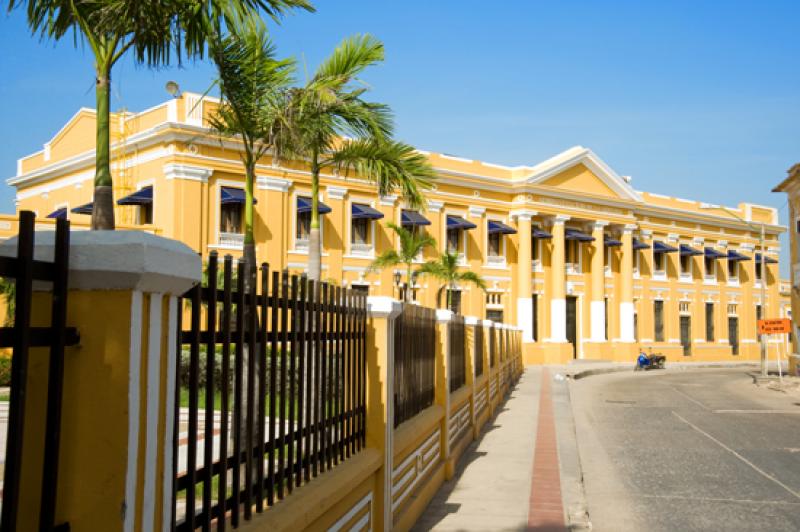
(692, 99)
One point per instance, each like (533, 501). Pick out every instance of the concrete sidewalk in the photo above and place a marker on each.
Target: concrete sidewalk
(492, 486)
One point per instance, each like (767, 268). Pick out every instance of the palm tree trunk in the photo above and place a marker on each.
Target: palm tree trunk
(103, 209)
(249, 253)
(314, 242)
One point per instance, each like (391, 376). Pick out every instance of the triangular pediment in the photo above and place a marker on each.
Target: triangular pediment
(579, 170)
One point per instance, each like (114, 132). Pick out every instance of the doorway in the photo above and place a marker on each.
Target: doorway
(572, 324)
(686, 335)
(733, 333)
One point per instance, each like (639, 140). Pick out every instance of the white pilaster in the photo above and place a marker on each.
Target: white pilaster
(626, 321)
(558, 320)
(598, 313)
(525, 317)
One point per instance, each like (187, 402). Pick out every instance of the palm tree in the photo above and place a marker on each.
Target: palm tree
(446, 269)
(151, 29)
(334, 126)
(253, 86)
(412, 244)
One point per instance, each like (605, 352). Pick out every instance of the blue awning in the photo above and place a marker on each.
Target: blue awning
(501, 228)
(457, 222)
(769, 260)
(143, 196)
(689, 251)
(734, 256)
(660, 247)
(540, 233)
(712, 253)
(638, 244)
(611, 242)
(359, 211)
(412, 219)
(58, 213)
(229, 195)
(574, 234)
(304, 205)
(86, 208)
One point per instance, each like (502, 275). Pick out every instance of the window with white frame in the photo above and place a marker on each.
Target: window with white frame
(710, 268)
(686, 266)
(302, 229)
(608, 259)
(455, 239)
(494, 245)
(637, 262)
(572, 255)
(230, 217)
(659, 263)
(758, 271)
(361, 235)
(733, 270)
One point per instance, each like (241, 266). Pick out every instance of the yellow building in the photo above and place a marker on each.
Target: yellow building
(791, 186)
(585, 264)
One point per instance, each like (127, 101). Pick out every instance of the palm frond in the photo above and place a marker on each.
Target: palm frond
(387, 259)
(471, 277)
(348, 60)
(391, 165)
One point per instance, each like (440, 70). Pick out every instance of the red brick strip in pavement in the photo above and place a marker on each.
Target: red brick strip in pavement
(546, 511)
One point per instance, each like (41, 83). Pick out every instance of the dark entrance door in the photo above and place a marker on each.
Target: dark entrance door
(686, 333)
(733, 333)
(572, 322)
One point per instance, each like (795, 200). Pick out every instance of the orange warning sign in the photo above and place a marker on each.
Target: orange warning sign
(783, 325)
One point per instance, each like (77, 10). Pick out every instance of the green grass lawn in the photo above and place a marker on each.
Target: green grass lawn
(4, 397)
(201, 401)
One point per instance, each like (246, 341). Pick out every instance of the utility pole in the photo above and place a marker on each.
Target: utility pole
(763, 300)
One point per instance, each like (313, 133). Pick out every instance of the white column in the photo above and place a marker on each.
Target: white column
(524, 301)
(626, 310)
(558, 303)
(598, 303)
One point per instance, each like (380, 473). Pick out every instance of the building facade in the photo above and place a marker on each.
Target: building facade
(791, 186)
(585, 264)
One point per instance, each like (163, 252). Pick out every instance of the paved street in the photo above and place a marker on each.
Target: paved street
(699, 450)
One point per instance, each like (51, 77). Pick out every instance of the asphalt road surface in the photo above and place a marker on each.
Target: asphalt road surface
(688, 450)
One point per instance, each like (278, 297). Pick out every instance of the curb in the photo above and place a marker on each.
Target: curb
(680, 366)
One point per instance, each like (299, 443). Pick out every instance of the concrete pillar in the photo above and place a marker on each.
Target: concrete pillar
(380, 400)
(524, 258)
(115, 470)
(558, 302)
(598, 302)
(442, 386)
(626, 309)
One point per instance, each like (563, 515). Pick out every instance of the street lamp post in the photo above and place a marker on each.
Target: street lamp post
(763, 281)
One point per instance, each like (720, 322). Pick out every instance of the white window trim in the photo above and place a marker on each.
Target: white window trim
(495, 261)
(685, 277)
(733, 280)
(608, 260)
(711, 278)
(573, 268)
(536, 264)
(462, 254)
(369, 250)
(140, 186)
(637, 263)
(295, 249)
(218, 184)
(659, 275)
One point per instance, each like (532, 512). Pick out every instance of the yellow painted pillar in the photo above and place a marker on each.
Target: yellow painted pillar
(277, 220)
(380, 401)
(598, 301)
(626, 309)
(558, 302)
(524, 264)
(442, 383)
(115, 469)
(334, 233)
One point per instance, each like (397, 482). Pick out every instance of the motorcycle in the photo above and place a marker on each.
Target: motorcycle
(652, 361)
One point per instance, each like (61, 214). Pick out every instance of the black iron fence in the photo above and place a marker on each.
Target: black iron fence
(478, 332)
(282, 394)
(22, 271)
(457, 352)
(414, 361)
